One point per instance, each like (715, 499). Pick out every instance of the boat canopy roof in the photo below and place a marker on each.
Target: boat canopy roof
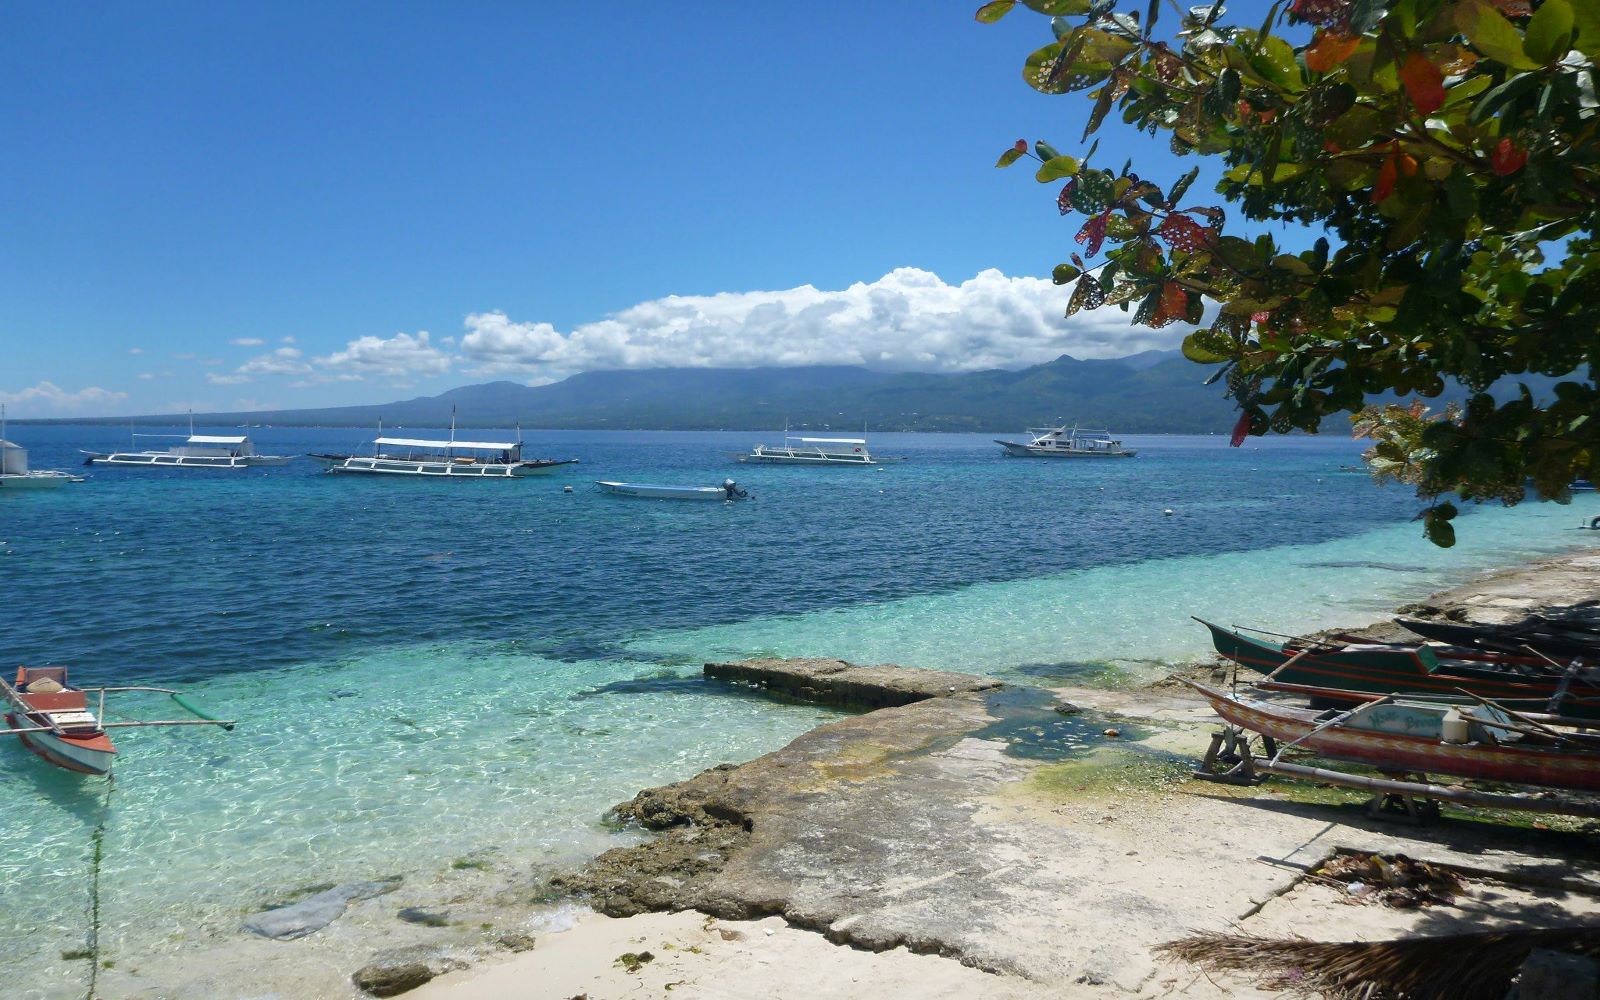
(208, 439)
(421, 443)
(834, 440)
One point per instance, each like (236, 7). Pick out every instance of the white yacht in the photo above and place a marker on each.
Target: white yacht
(14, 471)
(1067, 442)
(198, 451)
(812, 451)
(397, 456)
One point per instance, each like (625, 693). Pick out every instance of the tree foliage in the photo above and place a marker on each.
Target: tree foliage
(1447, 151)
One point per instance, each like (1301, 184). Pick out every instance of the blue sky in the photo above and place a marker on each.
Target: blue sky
(232, 206)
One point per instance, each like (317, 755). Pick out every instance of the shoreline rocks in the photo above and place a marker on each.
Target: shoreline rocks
(847, 685)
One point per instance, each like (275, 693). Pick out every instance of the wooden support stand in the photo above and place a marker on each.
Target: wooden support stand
(1404, 807)
(1229, 759)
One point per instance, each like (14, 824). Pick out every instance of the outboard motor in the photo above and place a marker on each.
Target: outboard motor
(732, 490)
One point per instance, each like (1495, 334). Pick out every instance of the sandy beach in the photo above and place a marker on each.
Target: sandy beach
(911, 852)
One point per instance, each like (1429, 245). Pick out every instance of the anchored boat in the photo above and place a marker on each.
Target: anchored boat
(199, 451)
(14, 471)
(52, 718)
(394, 456)
(729, 491)
(812, 451)
(1067, 442)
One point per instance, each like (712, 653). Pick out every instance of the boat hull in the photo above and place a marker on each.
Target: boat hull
(1015, 449)
(359, 466)
(770, 458)
(1396, 751)
(1386, 670)
(85, 755)
(37, 480)
(162, 460)
(652, 492)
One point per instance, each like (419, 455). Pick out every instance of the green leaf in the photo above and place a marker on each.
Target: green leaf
(994, 10)
(1045, 151)
(1058, 7)
(1009, 157)
(1064, 273)
(1586, 19)
(1549, 31)
(1492, 34)
(1056, 168)
(1207, 347)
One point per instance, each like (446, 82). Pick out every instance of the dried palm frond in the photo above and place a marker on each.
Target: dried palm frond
(1450, 967)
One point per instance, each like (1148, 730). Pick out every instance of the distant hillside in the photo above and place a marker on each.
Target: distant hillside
(1150, 392)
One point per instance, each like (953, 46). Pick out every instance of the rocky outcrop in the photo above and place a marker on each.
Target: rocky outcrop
(390, 979)
(835, 682)
(309, 915)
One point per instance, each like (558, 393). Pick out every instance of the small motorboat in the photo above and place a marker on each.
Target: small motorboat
(728, 492)
(1067, 442)
(53, 719)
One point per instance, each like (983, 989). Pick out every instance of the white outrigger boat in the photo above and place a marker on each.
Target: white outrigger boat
(199, 451)
(14, 471)
(728, 492)
(812, 451)
(1067, 442)
(394, 456)
(53, 719)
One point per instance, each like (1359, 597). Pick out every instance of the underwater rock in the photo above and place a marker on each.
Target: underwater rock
(309, 915)
(427, 918)
(391, 978)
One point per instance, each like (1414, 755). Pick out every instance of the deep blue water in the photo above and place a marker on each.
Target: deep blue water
(185, 573)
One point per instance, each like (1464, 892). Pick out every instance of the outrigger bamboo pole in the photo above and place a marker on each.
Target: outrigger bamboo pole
(1487, 800)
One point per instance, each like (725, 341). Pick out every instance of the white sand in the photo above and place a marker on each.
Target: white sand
(694, 959)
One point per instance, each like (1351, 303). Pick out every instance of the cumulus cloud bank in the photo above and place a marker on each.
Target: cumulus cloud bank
(49, 398)
(402, 354)
(909, 319)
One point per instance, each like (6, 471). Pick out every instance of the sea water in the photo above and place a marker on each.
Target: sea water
(425, 672)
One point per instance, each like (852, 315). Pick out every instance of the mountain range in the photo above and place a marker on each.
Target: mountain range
(1149, 392)
(1152, 391)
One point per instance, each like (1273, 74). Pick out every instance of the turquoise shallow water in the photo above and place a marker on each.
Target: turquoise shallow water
(425, 670)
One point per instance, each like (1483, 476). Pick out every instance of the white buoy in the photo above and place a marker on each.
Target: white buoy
(566, 489)
(1168, 512)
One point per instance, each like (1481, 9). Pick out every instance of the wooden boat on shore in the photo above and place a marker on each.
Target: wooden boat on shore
(1523, 683)
(1424, 737)
(728, 492)
(1542, 635)
(53, 719)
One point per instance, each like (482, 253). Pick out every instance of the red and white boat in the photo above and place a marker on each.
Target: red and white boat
(1402, 734)
(53, 719)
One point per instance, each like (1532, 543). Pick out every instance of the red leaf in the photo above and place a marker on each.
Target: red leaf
(1507, 158)
(1093, 232)
(1184, 234)
(1241, 430)
(1174, 305)
(1261, 317)
(1329, 50)
(1021, 145)
(1064, 199)
(1424, 83)
(1387, 173)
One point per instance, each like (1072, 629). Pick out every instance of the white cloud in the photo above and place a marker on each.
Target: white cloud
(247, 342)
(288, 340)
(400, 355)
(47, 397)
(909, 319)
(185, 356)
(146, 376)
(216, 379)
(135, 350)
(282, 361)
